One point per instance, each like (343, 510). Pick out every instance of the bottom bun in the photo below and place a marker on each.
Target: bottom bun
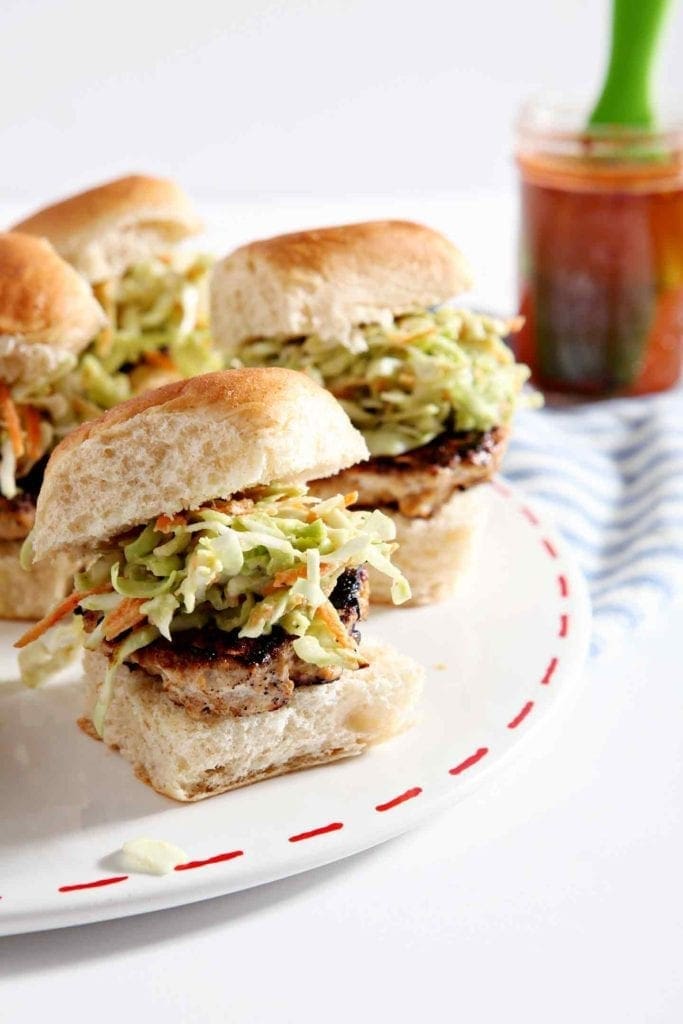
(188, 759)
(435, 554)
(31, 595)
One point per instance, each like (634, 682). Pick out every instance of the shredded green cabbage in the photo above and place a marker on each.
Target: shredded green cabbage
(57, 649)
(133, 642)
(268, 558)
(403, 385)
(158, 331)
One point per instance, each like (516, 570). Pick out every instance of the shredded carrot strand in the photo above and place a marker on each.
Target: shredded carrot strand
(31, 418)
(232, 506)
(160, 359)
(515, 324)
(328, 615)
(10, 417)
(348, 387)
(165, 524)
(123, 617)
(286, 577)
(60, 612)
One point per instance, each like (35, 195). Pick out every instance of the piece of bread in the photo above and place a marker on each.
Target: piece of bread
(43, 301)
(329, 281)
(189, 760)
(185, 444)
(106, 229)
(31, 595)
(436, 554)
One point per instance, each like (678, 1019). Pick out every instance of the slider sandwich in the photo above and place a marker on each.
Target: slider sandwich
(48, 315)
(124, 238)
(432, 388)
(220, 605)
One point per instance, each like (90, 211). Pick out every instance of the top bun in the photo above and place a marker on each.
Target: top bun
(184, 444)
(43, 301)
(331, 280)
(106, 229)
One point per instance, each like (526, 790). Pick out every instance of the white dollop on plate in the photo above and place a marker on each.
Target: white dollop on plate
(152, 856)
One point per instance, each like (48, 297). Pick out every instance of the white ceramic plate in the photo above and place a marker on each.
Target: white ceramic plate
(498, 658)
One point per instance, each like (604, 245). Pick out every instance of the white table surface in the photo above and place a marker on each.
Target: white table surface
(551, 895)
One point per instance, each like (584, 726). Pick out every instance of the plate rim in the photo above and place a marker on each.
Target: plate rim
(106, 900)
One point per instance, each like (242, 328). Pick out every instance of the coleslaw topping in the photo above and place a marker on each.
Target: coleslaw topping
(158, 331)
(404, 383)
(268, 558)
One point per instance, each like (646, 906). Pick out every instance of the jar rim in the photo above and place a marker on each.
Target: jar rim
(560, 123)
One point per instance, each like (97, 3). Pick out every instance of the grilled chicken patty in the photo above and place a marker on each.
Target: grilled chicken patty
(17, 514)
(209, 672)
(419, 482)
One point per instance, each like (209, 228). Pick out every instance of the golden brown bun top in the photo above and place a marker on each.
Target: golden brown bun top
(331, 251)
(105, 229)
(43, 299)
(331, 280)
(184, 444)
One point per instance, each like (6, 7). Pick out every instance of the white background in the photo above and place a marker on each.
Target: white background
(333, 97)
(554, 895)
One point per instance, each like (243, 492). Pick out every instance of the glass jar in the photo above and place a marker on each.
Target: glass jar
(601, 254)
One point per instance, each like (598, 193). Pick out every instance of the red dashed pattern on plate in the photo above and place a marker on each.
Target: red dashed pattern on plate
(396, 802)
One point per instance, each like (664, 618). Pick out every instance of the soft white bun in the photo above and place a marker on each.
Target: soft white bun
(31, 595)
(436, 555)
(329, 281)
(43, 301)
(190, 760)
(185, 444)
(102, 231)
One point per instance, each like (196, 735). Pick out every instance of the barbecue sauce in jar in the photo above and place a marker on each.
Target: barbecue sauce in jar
(601, 257)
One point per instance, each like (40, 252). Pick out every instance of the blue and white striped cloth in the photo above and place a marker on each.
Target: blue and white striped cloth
(610, 475)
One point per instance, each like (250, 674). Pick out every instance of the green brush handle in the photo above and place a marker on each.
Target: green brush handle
(625, 97)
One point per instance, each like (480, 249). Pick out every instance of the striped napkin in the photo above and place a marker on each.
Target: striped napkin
(610, 475)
